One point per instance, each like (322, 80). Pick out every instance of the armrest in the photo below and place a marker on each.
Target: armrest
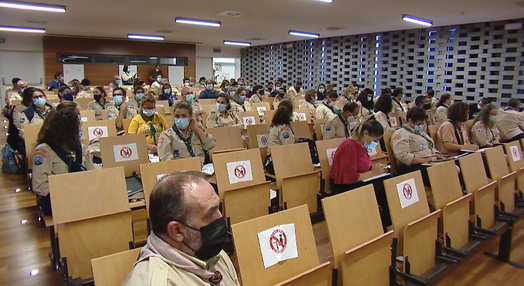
(303, 174)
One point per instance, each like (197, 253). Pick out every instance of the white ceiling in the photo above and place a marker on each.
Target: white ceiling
(267, 19)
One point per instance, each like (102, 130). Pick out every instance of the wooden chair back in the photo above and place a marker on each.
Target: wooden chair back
(455, 221)
(326, 152)
(83, 102)
(514, 154)
(258, 136)
(113, 269)
(16, 102)
(394, 120)
(318, 128)
(88, 115)
(301, 129)
(31, 135)
(291, 160)
(484, 200)
(104, 114)
(261, 107)
(249, 117)
(303, 115)
(126, 151)
(318, 276)
(269, 116)
(170, 119)
(98, 129)
(433, 130)
(245, 203)
(469, 125)
(473, 172)
(445, 183)
(269, 100)
(53, 101)
(152, 172)
(208, 101)
(245, 236)
(126, 123)
(497, 162)
(162, 107)
(209, 107)
(419, 243)
(227, 138)
(391, 156)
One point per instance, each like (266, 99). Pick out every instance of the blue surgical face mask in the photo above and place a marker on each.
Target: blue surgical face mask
(321, 90)
(209, 87)
(351, 96)
(182, 123)
(232, 93)
(118, 99)
(419, 128)
(492, 118)
(117, 82)
(371, 146)
(370, 98)
(221, 107)
(226, 87)
(479, 106)
(242, 98)
(277, 88)
(148, 112)
(167, 91)
(241, 82)
(62, 78)
(191, 84)
(248, 88)
(190, 97)
(139, 96)
(159, 79)
(68, 96)
(39, 102)
(80, 132)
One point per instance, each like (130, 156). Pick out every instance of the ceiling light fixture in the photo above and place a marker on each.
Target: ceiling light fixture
(33, 6)
(326, 1)
(304, 34)
(233, 43)
(145, 37)
(416, 20)
(22, 29)
(197, 22)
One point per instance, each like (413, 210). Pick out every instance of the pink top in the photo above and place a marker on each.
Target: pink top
(446, 133)
(350, 160)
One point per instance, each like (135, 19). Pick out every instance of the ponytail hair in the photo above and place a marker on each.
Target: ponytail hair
(371, 125)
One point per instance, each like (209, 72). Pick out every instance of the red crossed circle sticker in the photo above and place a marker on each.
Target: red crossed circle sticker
(302, 116)
(249, 121)
(408, 191)
(278, 241)
(240, 171)
(126, 152)
(261, 110)
(263, 140)
(515, 152)
(98, 132)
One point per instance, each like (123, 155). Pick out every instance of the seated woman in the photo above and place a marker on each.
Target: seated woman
(326, 109)
(453, 136)
(383, 108)
(79, 90)
(186, 138)
(100, 103)
(484, 131)
(365, 100)
(209, 92)
(280, 132)
(239, 103)
(57, 141)
(352, 164)
(139, 92)
(321, 92)
(121, 110)
(309, 102)
(188, 97)
(224, 115)
(148, 123)
(258, 94)
(338, 126)
(441, 115)
(167, 94)
(411, 146)
(37, 111)
(346, 97)
(64, 93)
(224, 86)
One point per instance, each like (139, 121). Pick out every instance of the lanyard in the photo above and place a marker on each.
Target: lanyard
(430, 141)
(243, 107)
(458, 135)
(151, 127)
(187, 141)
(337, 112)
(399, 104)
(314, 104)
(103, 105)
(330, 108)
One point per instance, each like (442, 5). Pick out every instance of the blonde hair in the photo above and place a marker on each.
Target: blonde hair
(349, 90)
(147, 98)
(310, 95)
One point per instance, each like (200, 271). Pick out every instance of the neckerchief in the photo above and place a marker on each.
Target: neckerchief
(151, 127)
(39, 113)
(103, 105)
(458, 135)
(241, 104)
(430, 141)
(187, 141)
(313, 103)
(399, 104)
(344, 121)
(330, 108)
(66, 157)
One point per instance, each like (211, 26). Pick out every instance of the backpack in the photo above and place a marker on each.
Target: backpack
(11, 163)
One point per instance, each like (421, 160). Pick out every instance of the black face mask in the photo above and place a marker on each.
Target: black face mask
(427, 106)
(270, 89)
(98, 97)
(213, 238)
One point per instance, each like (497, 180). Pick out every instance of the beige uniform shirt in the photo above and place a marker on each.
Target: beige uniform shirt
(398, 107)
(17, 115)
(156, 88)
(308, 105)
(132, 103)
(47, 163)
(510, 124)
(341, 101)
(446, 133)
(37, 120)
(236, 107)
(216, 119)
(383, 120)
(155, 272)
(280, 135)
(171, 147)
(483, 135)
(255, 98)
(113, 112)
(11, 95)
(433, 102)
(407, 145)
(363, 112)
(292, 91)
(334, 128)
(441, 115)
(323, 112)
(97, 107)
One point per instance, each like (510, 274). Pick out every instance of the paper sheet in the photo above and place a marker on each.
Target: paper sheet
(239, 172)
(407, 193)
(278, 244)
(127, 152)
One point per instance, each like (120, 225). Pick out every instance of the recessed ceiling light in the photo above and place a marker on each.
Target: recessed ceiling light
(416, 20)
(197, 22)
(22, 29)
(145, 37)
(33, 6)
(326, 1)
(233, 43)
(304, 34)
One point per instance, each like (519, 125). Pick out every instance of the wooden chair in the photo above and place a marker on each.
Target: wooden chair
(514, 154)
(170, 119)
(227, 138)
(31, 134)
(88, 115)
(92, 215)
(258, 138)
(414, 226)
(303, 270)
(361, 250)
(303, 115)
(206, 101)
(242, 200)
(249, 118)
(126, 123)
(152, 172)
(394, 120)
(126, 151)
(269, 100)
(391, 156)
(113, 269)
(301, 130)
(318, 128)
(506, 180)
(104, 114)
(269, 116)
(297, 179)
(83, 102)
(209, 107)
(326, 152)
(53, 101)
(163, 104)
(98, 129)
(433, 130)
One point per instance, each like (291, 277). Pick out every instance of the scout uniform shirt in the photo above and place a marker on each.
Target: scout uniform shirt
(364, 111)
(156, 272)
(433, 102)
(38, 118)
(398, 107)
(383, 119)
(172, 145)
(46, 163)
(216, 119)
(509, 122)
(255, 98)
(149, 128)
(280, 135)
(441, 115)
(11, 95)
(237, 107)
(309, 105)
(483, 135)
(341, 101)
(335, 127)
(324, 111)
(407, 144)
(18, 110)
(97, 107)
(113, 112)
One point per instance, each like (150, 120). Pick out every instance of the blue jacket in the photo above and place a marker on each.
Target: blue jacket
(167, 97)
(206, 94)
(55, 85)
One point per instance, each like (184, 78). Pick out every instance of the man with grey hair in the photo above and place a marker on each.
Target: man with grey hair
(510, 122)
(185, 247)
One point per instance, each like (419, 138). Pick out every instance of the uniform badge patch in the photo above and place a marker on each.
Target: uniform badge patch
(176, 153)
(22, 120)
(38, 160)
(285, 134)
(421, 146)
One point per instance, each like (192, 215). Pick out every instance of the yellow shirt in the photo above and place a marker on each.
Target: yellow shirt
(139, 126)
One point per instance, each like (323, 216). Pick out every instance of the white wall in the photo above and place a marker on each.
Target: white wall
(17, 42)
(205, 55)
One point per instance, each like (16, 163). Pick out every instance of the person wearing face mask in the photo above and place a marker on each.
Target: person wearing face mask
(115, 83)
(474, 109)
(120, 110)
(202, 82)
(326, 109)
(347, 97)
(186, 82)
(383, 108)
(154, 74)
(241, 81)
(321, 92)
(484, 132)
(57, 82)
(186, 245)
(365, 100)
(510, 122)
(441, 115)
(186, 138)
(134, 103)
(224, 86)
(430, 94)
(270, 86)
(209, 92)
(14, 93)
(412, 147)
(188, 97)
(191, 81)
(309, 102)
(78, 91)
(100, 103)
(247, 86)
(156, 87)
(398, 97)
(224, 115)
(278, 87)
(258, 94)
(424, 103)
(148, 123)
(295, 90)
(37, 111)
(453, 136)
(65, 94)
(338, 126)
(239, 102)
(167, 94)
(127, 76)
(280, 131)
(15, 137)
